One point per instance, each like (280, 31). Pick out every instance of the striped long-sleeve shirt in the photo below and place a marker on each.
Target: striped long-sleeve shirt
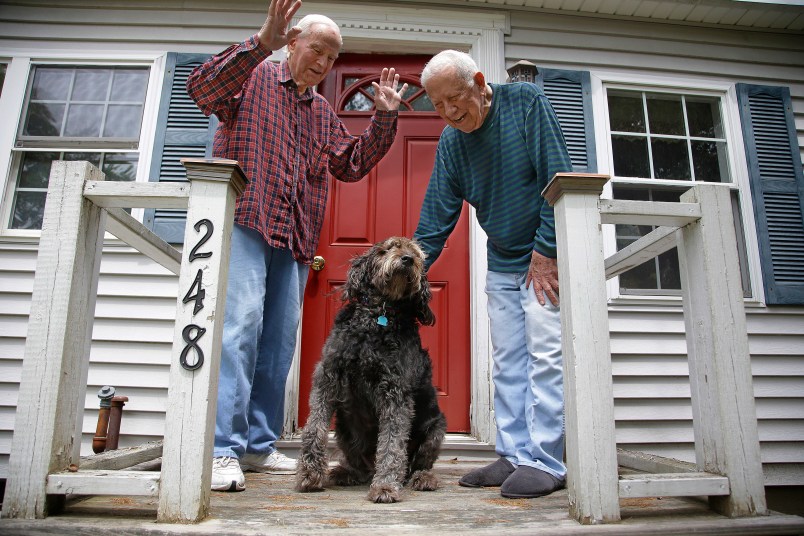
(500, 169)
(285, 142)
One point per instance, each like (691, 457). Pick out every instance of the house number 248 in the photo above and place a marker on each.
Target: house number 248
(196, 293)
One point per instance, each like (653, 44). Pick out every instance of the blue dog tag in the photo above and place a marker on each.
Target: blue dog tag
(382, 320)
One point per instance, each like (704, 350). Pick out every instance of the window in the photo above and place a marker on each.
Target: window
(359, 95)
(91, 113)
(661, 142)
(3, 68)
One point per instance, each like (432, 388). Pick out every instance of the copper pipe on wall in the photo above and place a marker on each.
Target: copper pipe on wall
(115, 416)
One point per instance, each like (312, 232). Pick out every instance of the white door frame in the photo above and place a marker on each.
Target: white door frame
(367, 29)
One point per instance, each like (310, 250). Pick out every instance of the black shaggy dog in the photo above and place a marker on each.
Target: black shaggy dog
(376, 378)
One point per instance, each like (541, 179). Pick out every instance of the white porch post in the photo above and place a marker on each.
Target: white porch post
(724, 415)
(54, 370)
(190, 421)
(588, 393)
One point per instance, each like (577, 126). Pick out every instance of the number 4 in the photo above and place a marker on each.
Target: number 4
(198, 297)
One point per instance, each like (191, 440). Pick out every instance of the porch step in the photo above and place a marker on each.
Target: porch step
(461, 446)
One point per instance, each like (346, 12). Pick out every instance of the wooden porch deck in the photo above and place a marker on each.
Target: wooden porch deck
(271, 506)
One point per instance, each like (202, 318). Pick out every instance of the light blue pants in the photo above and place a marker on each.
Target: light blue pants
(528, 375)
(263, 304)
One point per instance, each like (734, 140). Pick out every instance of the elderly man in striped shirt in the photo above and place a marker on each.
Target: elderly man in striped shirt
(285, 137)
(502, 145)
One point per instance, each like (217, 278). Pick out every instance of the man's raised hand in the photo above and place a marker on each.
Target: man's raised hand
(386, 96)
(274, 33)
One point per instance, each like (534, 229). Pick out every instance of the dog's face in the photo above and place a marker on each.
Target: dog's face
(393, 268)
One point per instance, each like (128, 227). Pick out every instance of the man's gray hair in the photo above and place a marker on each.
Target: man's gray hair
(308, 21)
(465, 67)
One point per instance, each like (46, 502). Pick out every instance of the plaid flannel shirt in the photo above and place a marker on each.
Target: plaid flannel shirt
(284, 142)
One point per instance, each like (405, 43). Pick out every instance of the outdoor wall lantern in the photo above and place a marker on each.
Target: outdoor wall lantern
(522, 71)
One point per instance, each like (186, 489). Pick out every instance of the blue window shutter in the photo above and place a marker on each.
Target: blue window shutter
(570, 93)
(777, 189)
(182, 131)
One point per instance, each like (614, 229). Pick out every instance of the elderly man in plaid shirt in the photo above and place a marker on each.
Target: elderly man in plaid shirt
(285, 137)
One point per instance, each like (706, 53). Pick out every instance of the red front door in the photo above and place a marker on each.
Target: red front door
(387, 203)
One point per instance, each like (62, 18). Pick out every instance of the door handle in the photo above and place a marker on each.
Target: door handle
(318, 263)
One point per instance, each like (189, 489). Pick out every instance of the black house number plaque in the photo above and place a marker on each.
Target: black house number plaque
(192, 333)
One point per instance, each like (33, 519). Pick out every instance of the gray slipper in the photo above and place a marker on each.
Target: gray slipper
(491, 475)
(528, 482)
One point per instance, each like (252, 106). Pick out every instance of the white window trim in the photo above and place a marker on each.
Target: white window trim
(13, 98)
(737, 166)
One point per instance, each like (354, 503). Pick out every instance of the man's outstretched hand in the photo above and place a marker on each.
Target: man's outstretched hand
(274, 33)
(386, 96)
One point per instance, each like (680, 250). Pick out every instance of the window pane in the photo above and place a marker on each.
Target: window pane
(129, 85)
(51, 83)
(704, 118)
(670, 159)
(422, 103)
(626, 113)
(669, 273)
(97, 101)
(661, 273)
(641, 277)
(709, 161)
(412, 89)
(3, 68)
(669, 196)
(44, 119)
(630, 156)
(349, 80)
(120, 166)
(35, 169)
(84, 120)
(665, 115)
(122, 121)
(359, 103)
(34, 175)
(91, 85)
(29, 208)
(92, 158)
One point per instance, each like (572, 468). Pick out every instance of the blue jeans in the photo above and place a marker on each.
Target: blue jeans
(528, 375)
(263, 305)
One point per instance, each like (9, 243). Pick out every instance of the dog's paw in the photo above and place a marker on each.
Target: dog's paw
(424, 481)
(307, 481)
(384, 493)
(342, 476)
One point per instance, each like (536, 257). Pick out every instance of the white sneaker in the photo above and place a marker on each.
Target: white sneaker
(275, 463)
(227, 475)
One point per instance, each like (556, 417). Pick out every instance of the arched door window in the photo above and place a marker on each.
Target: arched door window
(358, 95)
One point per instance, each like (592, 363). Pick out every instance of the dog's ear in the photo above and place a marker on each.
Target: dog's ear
(424, 314)
(357, 277)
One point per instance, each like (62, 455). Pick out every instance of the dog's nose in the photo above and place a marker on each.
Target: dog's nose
(407, 260)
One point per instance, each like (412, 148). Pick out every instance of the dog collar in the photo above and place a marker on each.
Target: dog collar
(382, 318)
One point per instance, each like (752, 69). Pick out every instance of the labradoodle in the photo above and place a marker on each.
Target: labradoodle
(376, 378)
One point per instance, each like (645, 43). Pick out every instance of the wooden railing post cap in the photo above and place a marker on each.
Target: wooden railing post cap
(563, 183)
(218, 169)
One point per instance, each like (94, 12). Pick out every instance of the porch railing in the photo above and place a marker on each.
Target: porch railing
(80, 205)
(728, 468)
(47, 430)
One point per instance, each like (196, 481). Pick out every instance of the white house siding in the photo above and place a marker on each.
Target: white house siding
(136, 302)
(131, 340)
